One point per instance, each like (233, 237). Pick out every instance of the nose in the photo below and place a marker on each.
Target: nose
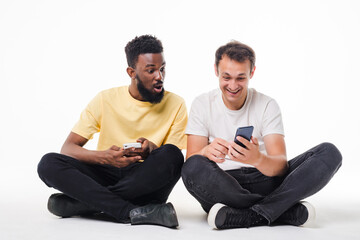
(232, 84)
(159, 76)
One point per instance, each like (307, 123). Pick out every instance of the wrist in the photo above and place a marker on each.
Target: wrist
(260, 160)
(203, 151)
(100, 157)
(152, 146)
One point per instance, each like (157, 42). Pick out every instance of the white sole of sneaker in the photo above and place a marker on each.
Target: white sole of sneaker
(212, 214)
(311, 214)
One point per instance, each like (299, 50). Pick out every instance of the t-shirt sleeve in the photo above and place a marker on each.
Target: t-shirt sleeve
(176, 133)
(272, 119)
(197, 119)
(90, 119)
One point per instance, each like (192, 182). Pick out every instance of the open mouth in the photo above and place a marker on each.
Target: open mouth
(158, 88)
(233, 92)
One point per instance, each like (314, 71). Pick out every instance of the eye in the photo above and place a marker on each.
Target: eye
(151, 71)
(162, 69)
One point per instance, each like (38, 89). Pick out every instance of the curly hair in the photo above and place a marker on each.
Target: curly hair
(141, 45)
(236, 51)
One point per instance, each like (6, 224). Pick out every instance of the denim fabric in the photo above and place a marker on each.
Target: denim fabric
(249, 188)
(115, 191)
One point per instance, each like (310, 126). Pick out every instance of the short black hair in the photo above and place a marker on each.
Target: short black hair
(141, 45)
(236, 51)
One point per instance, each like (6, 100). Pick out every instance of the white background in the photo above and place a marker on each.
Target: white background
(56, 55)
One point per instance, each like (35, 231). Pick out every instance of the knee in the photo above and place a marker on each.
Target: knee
(172, 156)
(192, 166)
(334, 156)
(45, 166)
(177, 156)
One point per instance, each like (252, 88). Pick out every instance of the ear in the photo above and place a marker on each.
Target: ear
(131, 72)
(252, 72)
(216, 70)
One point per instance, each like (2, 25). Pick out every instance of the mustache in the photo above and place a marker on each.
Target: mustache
(158, 83)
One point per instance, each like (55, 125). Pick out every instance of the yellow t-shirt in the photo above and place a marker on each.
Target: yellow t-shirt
(121, 119)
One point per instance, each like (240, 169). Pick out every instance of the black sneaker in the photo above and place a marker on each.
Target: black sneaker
(64, 206)
(157, 214)
(224, 217)
(301, 214)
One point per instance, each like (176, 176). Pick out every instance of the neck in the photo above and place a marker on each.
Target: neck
(134, 92)
(234, 105)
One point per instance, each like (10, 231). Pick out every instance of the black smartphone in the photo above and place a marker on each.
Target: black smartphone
(245, 132)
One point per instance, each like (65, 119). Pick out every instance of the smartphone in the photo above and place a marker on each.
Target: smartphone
(132, 145)
(245, 132)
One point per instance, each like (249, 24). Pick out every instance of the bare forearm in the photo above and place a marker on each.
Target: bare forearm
(200, 152)
(272, 165)
(82, 154)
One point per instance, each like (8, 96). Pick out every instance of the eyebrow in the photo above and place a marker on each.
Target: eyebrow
(240, 74)
(153, 65)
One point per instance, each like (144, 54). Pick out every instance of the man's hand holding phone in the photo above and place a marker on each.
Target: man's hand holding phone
(146, 148)
(243, 150)
(118, 157)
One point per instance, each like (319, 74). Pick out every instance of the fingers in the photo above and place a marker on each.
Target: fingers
(132, 152)
(215, 155)
(217, 159)
(126, 151)
(244, 141)
(125, 161)
(115, 148)
(220, 146)
(254, 140)
(141, 140)
(217, 150)
(145, 144)
(236, 147)
(118, 157)
(130, 160)
(236, 154)
(222, 142)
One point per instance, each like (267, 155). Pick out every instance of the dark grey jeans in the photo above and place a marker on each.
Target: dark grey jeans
(115, 191)
(249, 188)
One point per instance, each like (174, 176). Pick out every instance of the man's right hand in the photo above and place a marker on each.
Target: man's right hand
(216, 150)
(116, 156)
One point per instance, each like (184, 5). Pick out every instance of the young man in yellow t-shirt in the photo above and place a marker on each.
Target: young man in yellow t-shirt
(133, 184)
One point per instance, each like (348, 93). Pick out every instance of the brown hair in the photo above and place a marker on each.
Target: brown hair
(236, 51)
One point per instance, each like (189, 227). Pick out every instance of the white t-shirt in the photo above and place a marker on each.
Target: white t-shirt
(209, 117)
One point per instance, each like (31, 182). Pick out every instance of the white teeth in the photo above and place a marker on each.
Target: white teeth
(234, 91)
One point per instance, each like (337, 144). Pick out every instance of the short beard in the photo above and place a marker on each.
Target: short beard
(147, 95)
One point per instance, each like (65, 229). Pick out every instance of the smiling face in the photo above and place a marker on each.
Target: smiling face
(148, 77)
(233, 81)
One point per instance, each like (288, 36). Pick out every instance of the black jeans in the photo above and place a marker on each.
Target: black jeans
(249, 188)
(115, 191)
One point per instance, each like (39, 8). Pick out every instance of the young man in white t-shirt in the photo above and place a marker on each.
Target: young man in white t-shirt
(252, 186)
